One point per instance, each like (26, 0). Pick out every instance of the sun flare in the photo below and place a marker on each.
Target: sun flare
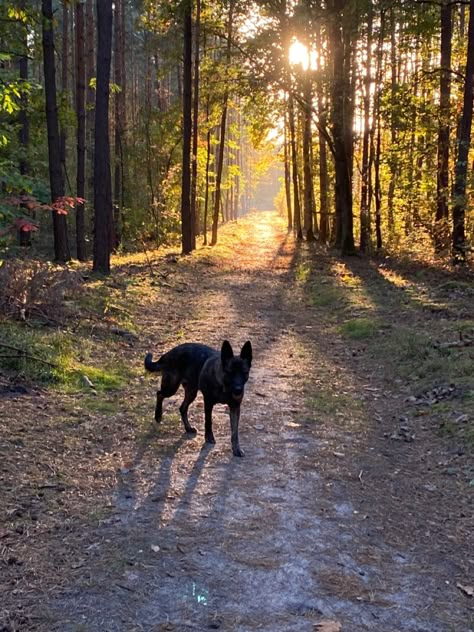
(299, 55)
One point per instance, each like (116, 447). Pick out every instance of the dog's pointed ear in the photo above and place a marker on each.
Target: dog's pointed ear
(226, 352)
(246, 352)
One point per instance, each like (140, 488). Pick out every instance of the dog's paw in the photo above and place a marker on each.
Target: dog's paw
(210, 439)
(191, 431)
(158, 420)
(238, 452)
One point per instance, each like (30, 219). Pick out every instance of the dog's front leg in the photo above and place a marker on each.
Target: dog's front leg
(234, 426)
(208, 406)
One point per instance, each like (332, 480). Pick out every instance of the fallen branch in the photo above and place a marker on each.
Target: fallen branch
(464, 342)
(22, 353)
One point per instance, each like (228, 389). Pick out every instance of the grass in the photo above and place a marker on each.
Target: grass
(57, 358)
(324, 296)
(359, 328)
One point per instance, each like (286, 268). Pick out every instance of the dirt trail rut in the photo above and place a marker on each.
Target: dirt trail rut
(306, 527)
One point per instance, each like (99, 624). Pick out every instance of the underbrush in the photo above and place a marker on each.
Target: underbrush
(57, 325)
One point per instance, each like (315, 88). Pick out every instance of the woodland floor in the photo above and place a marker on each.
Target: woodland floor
(353, 504)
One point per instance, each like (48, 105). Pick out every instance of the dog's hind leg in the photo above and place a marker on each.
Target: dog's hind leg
(169, 385)
(189, 396)
(234, 426)
(209, 435)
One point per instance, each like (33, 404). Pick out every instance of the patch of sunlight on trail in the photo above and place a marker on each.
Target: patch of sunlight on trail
(417, 293)
(251, 242)
(353, 287)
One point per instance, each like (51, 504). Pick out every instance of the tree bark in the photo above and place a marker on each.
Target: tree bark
(342, 126)
(119, 116)
(61, 245)
(287, 171)
(81, 131)
(294, 169)
(24, 237)
(220, 161)
(64, 83)
(308, 197)
(323, 162)
(194, 151)
(188, 239)
(90, 95)
(364, 195)
(460, 175)
(442, 192)
(378, 147)
(103, 217)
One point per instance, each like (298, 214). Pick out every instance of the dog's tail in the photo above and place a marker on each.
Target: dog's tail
(154, 367)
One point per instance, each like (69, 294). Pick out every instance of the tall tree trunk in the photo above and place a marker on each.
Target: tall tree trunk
(294, 169)
(220, 162)
(364, 195)
(460, 199)
(61, 245)
(378, 127)
(103, 216)
(64, 83)
(342, 127)
(24, 237)
(393, 124)
(323, 162)
(442, 192)
(194, 152)
(287, 171)
(208, 162)
(119, 116)
(90, 95)
(81, 131)
(309, 210)
(188, 239)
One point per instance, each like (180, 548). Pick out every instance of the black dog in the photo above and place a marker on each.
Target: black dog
(221, 378)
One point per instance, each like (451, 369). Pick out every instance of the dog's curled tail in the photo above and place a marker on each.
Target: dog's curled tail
(150, 365)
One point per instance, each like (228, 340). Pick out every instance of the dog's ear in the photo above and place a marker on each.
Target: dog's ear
(246, 352)
(226, 352)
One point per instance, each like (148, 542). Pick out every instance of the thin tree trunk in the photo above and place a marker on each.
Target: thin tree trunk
(119, 116)
(188, 239)
(81, 131)
(378, 125)
(90, 95)
(24, 237)
(323, 162)
(220, 162)
(194, 152)
(64, 83)
(307, 162)
(61, 245)
(208, 162)
(442, 193)
(294, 170)
(364, 196)
(287, 171)
(460, 198)
(393, 124)
(103, 216)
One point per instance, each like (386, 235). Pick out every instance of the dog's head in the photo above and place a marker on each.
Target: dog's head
(236, 369)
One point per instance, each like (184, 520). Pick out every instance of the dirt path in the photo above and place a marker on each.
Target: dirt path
(324, 519)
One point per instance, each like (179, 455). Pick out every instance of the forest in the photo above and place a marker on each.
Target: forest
(135, 124)
(297, 174)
